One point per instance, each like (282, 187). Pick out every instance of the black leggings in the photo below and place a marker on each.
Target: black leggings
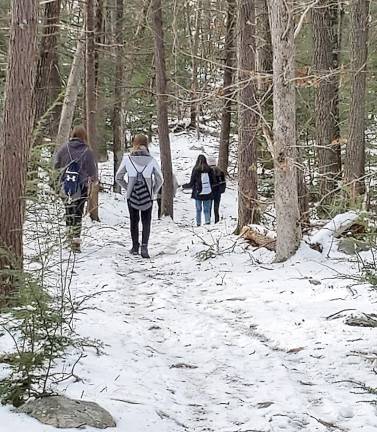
(146, 217)
(216, 206)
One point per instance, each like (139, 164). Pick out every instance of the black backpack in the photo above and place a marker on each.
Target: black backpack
(71, 182)
(140, 198)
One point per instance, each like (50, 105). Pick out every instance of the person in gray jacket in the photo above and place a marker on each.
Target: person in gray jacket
(144, 182)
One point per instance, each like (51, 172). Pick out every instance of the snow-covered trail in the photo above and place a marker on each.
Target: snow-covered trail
(227, 344)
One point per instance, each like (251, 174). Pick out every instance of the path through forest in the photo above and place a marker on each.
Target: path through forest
(226, 342)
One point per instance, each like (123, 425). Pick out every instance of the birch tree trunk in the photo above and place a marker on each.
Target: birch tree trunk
(71, 92)
(355, 150)
(248, 121)
(286, 198)
(226, 115)
(162, 108)
(16, 132)
(324, 43)
(91, 100)
(118, 147)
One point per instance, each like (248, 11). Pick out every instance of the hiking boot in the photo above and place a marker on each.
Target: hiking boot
(76, 245)
(144, 251)
(134, 250)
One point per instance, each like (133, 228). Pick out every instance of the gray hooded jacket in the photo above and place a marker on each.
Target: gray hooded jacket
(141, 159)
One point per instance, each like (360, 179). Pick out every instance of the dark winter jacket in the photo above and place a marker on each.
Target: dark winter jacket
(219, 181)
(196, 185)
(76, 149)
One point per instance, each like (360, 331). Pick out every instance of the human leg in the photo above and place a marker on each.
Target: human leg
(198, 205)
(134, 228)
(207, 206)
(216, 207)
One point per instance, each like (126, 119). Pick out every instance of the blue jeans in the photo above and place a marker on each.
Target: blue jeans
(207, 207)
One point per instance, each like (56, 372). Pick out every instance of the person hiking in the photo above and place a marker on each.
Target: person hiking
(159, 195)
(78, 170)
(144, 181)
(201, 183)
(218, 187)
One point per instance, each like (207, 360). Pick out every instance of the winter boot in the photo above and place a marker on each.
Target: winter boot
(76, 245)
(144, 251)
(134, 250)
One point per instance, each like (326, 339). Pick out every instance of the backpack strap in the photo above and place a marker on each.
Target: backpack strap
(139, 172)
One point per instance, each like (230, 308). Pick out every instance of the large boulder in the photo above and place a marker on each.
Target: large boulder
(62, 412)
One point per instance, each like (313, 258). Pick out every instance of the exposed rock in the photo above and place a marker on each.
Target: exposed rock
(62, 412)
(351, 246)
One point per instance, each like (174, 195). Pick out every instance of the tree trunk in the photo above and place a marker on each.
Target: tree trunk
(91, 98)
(226, 114)
(337, 13)
(288, 227)
(264, 70)
(162, 108)
(247, 146)
(16, 132)
(194, 37)
(118, 147)
(47, 58)
(263, 49)
(71, 93)
(324, 44)
(355, 150)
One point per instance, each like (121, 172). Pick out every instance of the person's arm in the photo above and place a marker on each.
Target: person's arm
(119, 176)
(190, 185)
(158, 179)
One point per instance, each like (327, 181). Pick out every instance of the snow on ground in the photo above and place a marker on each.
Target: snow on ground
(232, 343)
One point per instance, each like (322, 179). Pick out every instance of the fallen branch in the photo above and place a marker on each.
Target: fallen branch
(259, 236)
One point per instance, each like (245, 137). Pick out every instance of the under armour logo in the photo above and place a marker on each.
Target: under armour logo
(71, 178)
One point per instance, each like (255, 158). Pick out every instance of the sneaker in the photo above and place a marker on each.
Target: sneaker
(144, 251)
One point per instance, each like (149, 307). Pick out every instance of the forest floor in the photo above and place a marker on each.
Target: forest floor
(210, 335)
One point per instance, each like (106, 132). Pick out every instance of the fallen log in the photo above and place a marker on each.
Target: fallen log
(259, 236)
(339, 225)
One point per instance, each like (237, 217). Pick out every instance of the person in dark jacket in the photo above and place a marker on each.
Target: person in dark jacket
(201, 183)
(76, 150)
(144, 181)
(218, 187)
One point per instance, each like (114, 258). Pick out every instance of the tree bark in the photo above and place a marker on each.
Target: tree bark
(263, 49)
(324, 16)
(91, 98)
(355, 150)
(264, 71)
(71, 93)
(248, 120)
(16, 133)
(46, 62)
(118, 147)
(194, 37)
(226, 115)
(162, 108)
(288, 227)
